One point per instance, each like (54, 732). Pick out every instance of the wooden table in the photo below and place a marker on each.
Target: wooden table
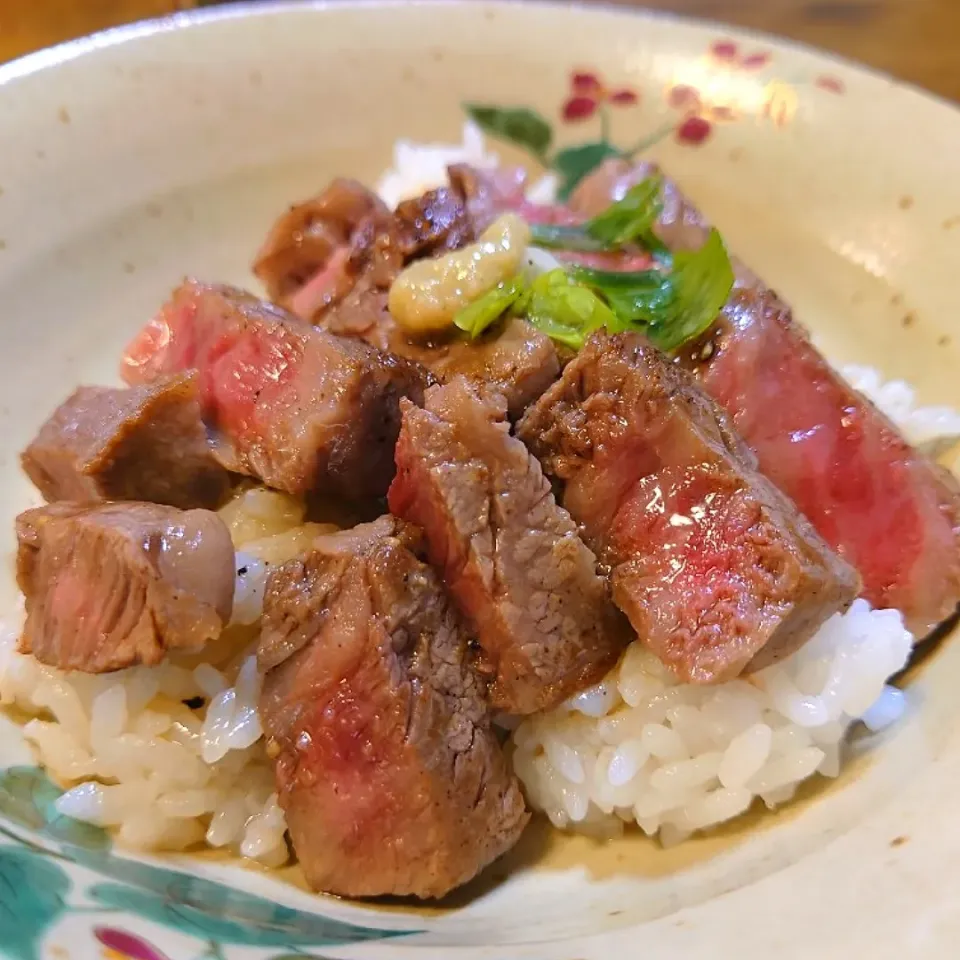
(917, 40)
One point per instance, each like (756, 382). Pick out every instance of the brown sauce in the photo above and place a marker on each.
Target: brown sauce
(543, 849)
(925, 652)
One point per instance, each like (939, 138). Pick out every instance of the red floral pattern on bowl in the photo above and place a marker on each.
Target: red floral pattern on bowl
(701, 111)
(729, 82)
(589, 94)
(727, 53)
(122, 943)
(830, 83)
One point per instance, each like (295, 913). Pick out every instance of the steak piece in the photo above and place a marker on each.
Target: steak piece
(145, 443)
(364, 256)
(489, 193)
(387, 767)
(113, 585)
(884, 506)
(297, 407)
(510, 557)
(435, 222)
(716, 569)
(302, 241)
(326, 254)
(331, 261)
(512, 358)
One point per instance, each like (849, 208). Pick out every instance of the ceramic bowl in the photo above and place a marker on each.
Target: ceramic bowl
(158, 150)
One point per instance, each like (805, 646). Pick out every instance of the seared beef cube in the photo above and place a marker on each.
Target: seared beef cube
(365, 257)
(512, 357)
(331, 261)
(390, 775)
(145, 443)
(112, 585)
(885, 507)
(510, 557)
(434, 222)
(303, 241)
(716, 569)
(347, 217)
(489, 193)
(297, 407)
(330, 255)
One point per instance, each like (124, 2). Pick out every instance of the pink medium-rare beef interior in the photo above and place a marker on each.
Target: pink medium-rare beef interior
(886, 507)
(113, 585)
(387, 767)
(716, 569)
(509, 555)
(299, 408)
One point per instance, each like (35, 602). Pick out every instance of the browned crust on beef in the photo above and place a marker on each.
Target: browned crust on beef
(109, 586)
(142, 443)
(387, 768)
(509, 555)
(633, 437)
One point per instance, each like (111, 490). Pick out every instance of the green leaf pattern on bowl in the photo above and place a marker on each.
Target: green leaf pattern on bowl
(36, 883)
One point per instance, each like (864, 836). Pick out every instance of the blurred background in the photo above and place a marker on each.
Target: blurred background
(916, 40)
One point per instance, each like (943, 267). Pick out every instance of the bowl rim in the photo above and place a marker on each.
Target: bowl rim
(249, 13)
(48, 58)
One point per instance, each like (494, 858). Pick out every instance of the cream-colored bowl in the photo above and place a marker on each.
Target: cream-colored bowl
(147, 153)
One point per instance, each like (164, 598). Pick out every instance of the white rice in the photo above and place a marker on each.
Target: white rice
(418, 167)
(135, 757)
(932, 428)
(141, 761)
(676, 758)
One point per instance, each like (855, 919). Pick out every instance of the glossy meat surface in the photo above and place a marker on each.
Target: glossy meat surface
(513, 359)
(113, 585)
(299, 408)
(716, 569)
(387, 767)
(509, 555)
